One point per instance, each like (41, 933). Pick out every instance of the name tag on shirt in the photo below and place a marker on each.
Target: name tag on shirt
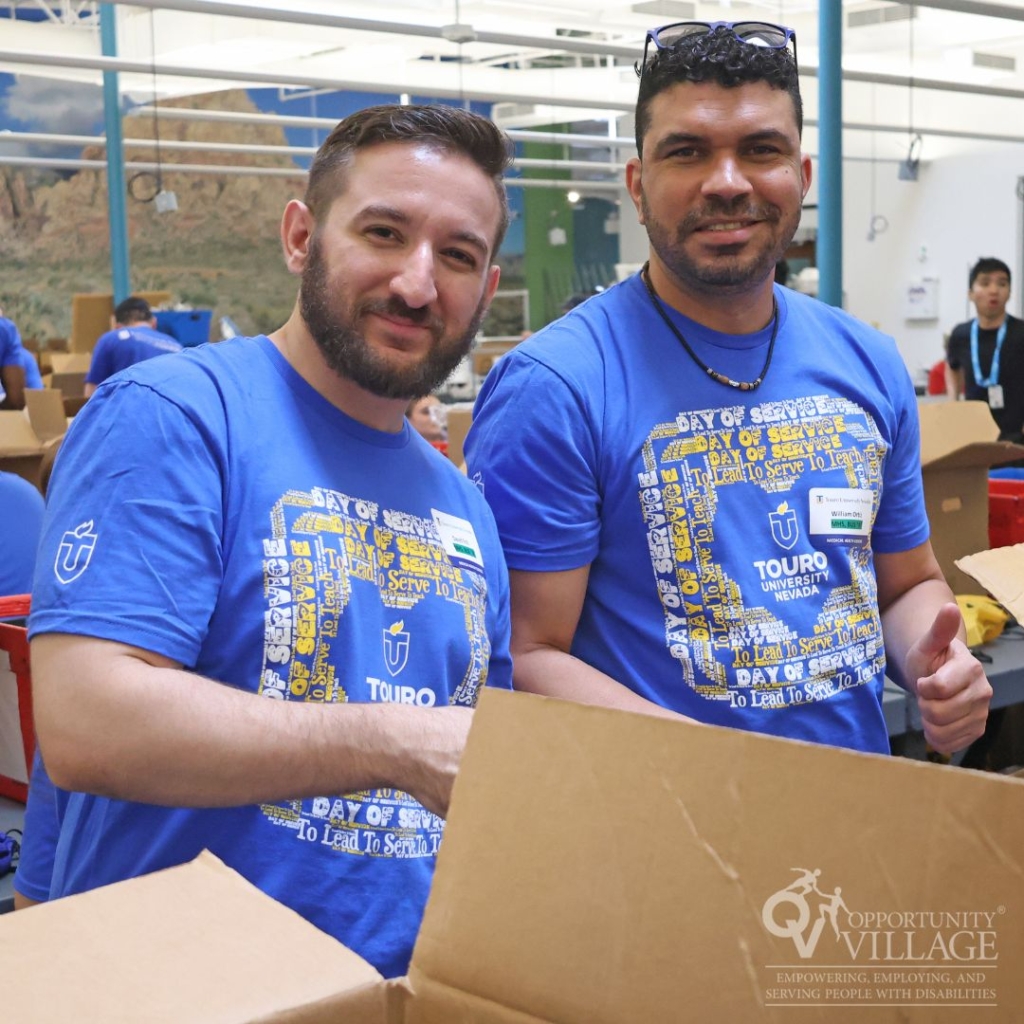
(459, 541)
(840, 511)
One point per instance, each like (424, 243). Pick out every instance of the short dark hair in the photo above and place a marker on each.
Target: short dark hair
(133, 310)
(449, 129)
(717, 57)
(988, 265)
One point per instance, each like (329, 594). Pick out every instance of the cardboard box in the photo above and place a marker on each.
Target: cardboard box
(26, 434)
(600, 867)
(958, 444)
(68, 374)
(459, 422)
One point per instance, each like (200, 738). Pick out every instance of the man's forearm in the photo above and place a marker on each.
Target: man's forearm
(131, 730)
(555, 673)
(907, 619)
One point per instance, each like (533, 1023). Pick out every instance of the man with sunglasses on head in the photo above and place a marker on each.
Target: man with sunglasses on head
(713, 507)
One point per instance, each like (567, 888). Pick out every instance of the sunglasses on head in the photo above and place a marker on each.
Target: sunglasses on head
(756, 33)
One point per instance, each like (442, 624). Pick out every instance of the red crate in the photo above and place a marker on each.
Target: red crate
(14, 640)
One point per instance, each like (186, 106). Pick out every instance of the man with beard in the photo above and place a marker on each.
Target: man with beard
(264, 607)
(713, 505)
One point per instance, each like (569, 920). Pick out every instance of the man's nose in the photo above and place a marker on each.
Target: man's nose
(726, 178)
(414, 280)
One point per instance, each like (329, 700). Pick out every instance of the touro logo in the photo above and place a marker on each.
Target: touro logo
(396, 647)
(74, 552)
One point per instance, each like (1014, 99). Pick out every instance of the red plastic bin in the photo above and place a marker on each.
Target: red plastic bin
(1005, 512)
(14, 640)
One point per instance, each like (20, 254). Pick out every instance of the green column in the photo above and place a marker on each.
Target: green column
(547, 268)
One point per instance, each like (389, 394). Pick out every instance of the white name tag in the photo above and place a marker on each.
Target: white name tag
(459, 540)
(995, 396)
(842, 511)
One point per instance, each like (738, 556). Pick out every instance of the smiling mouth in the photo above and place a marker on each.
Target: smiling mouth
(730, 225)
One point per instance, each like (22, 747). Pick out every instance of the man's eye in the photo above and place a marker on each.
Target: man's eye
(380, 231)
(461, 256)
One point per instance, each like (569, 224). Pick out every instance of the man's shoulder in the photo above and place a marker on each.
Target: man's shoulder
(225, 366)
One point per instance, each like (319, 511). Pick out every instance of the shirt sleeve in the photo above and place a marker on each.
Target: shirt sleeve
(99, 364)
(532, 450)
(131, 544)
(10, 344)
(902, 522)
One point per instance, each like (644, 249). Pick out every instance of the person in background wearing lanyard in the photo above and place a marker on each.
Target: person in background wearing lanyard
(986, 354)
(707, 486)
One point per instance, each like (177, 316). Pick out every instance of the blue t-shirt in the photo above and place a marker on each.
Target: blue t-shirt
(215, 509)
(33, 378)
(10, 343)
(729, 534)
(40, 831)
(21, 519)
(125, 346)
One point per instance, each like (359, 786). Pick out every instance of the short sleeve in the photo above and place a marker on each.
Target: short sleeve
(532, 451)
(131, 543)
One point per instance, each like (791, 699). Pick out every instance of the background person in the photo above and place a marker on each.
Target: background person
(265, 591)
(12, 368)
(133, 339)
(713, 505)
(428, 416)
(985, 356)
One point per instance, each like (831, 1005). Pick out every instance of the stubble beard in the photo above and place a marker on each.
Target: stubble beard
(722, 274)
(334, 326)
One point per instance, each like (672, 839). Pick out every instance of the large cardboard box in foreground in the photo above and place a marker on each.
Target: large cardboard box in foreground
(959, 441)
(599, 867)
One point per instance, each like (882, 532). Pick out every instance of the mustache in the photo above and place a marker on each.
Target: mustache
(741, 209)
(397, 307)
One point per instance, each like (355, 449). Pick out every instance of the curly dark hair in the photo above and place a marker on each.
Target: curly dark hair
(449, 129)
(717, 57)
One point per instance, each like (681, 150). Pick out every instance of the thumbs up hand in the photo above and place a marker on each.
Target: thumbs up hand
(949, 683)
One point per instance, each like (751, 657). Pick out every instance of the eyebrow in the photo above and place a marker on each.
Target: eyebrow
(382, 211)
(691, 138)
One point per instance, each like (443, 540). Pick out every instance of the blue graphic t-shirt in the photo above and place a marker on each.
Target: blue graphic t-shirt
(729, 534)
(125, 346)
(215, 509)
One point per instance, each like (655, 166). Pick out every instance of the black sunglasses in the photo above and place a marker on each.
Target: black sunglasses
(756, 33)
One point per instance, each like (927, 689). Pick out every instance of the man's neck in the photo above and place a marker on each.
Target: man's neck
(727, 310)
(295, 343)
(991, 323)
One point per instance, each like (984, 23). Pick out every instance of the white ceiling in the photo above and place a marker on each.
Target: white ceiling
(532, 56)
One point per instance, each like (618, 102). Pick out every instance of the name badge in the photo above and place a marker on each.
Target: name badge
(841, 511)
(995, 396)
(459, 541)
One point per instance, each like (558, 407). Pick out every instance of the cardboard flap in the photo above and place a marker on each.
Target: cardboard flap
(607, 867)
(983, 453)
(1001, 572)
(948, 426)
(193, 943)
(45, 410)
(16, 434)
(71, 362)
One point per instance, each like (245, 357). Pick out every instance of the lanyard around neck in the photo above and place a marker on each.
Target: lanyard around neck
(993, 377)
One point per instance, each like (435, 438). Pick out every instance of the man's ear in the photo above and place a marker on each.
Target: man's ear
(297, 229)
(493, 277)
(634, 184)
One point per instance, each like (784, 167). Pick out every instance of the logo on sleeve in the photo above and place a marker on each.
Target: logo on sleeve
(74, 552)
